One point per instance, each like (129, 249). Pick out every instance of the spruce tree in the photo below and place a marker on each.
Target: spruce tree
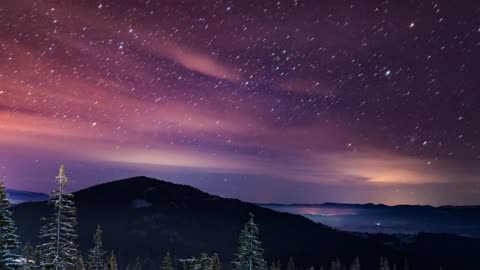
(96, 257)
(28, 256)
(291, 264)
(59, 250)
(167, 262)
(204, 263)
(405, 265)
(215, 262)
(138, 264)
(112, 262)
(187, 264)
(79, 265)
(384, 265)
(336, 264)
(250, 253)
(37, 258)
(275, 266)
(355, 264)
(8, 237)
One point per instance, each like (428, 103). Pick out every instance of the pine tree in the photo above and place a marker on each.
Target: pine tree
(405, 265)
(138, 264)
(79, 265)
(112, 262)
(204, 263)
(37, 259)
(167, 262)
(384, 265)
(175, 263)
(355, 264)
(59, 231)
(96, 257)
(336, 264)
(215, 262)
(28, 256)
(291, 264)
(187, 264)
(8, 238)
(250, 253)
(275, 266)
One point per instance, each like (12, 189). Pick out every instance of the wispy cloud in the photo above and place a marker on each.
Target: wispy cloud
(90, 84)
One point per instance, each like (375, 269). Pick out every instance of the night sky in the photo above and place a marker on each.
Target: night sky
(266, 101)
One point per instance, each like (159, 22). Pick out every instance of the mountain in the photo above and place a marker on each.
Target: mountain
(19, 196)
(379, 218)
(147, 217)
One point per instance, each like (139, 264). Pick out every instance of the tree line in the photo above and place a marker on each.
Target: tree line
(58, 249)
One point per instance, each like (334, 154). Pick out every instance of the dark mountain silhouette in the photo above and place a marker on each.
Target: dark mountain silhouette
(147, 217)
(379, 218)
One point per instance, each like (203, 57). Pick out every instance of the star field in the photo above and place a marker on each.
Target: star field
(285, 101)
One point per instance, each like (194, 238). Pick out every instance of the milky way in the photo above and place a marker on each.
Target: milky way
(267, 101)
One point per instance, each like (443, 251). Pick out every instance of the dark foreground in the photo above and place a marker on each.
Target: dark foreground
(145, 218)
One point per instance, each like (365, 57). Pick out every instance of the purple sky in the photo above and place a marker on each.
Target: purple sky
(267, 101)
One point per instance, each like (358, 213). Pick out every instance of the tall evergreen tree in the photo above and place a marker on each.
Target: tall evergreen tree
(8, 237)
(37, 259)
(204, 263)
(215, 262)
(167, 262)
(291, 264)
(112, 262)
(275, 265)
(59, 231)
(355, 264)
(384, 264)
(96, 257)
(405, 265)
(336, 264)
(250, 253)
(79, 265)
(138, 264)
(28, 256)
(187, 264)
